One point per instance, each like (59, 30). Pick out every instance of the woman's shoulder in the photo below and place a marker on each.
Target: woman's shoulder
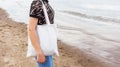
(36, 3)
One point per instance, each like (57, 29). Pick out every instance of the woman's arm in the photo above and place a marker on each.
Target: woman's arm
(34, 39)
(33, 34)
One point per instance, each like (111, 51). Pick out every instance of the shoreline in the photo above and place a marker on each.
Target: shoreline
(13, 40)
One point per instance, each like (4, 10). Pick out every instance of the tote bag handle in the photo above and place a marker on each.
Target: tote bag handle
(45, 13)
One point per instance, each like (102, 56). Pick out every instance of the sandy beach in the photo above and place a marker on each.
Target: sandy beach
(13, 41)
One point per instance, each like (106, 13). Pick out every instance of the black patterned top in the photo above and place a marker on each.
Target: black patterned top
(36, 11)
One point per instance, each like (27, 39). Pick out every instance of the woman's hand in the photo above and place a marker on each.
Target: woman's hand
(41, 58)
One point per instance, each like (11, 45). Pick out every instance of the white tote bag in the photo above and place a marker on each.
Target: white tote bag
(47, 34)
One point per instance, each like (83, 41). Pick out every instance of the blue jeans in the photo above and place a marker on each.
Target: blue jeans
(48, 63)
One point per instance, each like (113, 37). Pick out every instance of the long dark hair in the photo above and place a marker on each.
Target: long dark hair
(46, 0)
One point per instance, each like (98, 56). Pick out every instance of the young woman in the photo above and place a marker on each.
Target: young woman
(37, 18)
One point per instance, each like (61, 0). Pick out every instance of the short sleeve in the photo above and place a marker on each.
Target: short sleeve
(36, 9)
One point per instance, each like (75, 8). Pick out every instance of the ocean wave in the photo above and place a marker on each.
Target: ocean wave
(99, 36)
(98, 18)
